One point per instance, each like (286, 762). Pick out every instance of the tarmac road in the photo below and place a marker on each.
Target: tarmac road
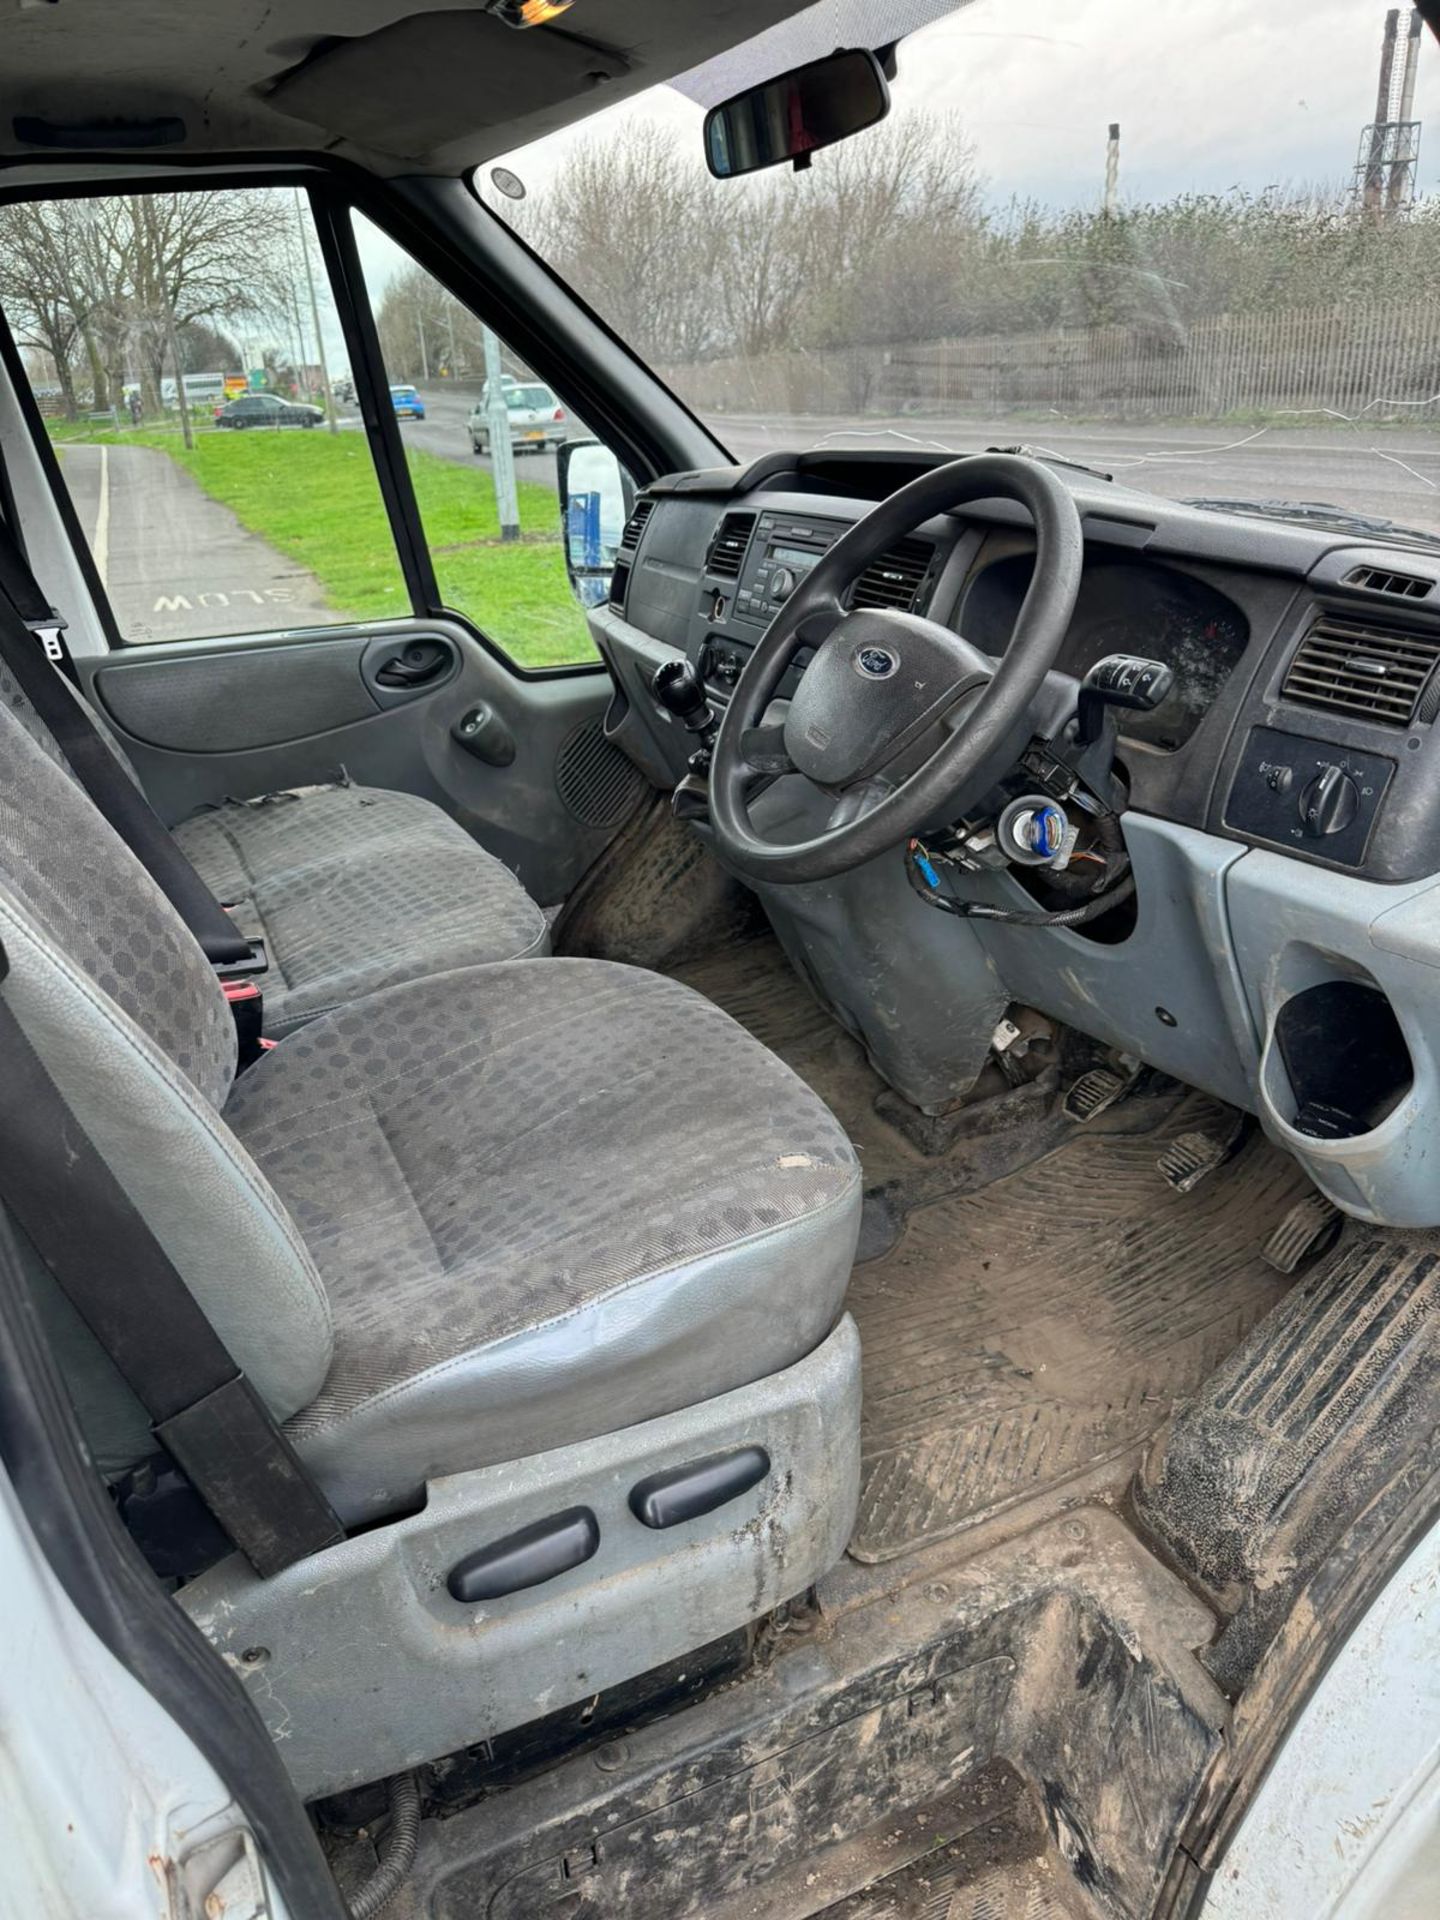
(176, 563)
(1392, 473)
(445, 430)
(1388, 472)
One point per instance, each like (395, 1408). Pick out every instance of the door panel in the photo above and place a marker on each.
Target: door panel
(218, 718)
(259, 696)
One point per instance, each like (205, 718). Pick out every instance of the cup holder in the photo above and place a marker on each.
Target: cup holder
(1345, 1059)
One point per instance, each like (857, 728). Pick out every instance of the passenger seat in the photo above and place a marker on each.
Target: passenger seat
(352, 888)
(357, 888)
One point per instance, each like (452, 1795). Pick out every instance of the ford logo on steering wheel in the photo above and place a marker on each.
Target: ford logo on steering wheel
(876, 663)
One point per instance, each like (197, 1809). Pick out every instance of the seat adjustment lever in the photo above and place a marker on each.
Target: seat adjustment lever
(697, 1488)
(528, 1558)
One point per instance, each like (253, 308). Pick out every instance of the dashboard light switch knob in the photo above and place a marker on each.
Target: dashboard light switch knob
(1329, 803)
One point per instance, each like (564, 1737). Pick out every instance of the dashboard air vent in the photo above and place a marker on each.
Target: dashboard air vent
(1356, 666)
(727, 549)
(1406, 586)
(895, 579)
(635, 525)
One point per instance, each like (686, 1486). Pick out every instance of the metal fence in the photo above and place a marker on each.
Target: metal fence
(1381, 361)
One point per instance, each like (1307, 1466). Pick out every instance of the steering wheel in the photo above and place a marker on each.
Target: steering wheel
(881, 681)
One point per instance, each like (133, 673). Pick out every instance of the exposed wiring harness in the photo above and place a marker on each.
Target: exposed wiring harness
(922, 870)
(397, 1850)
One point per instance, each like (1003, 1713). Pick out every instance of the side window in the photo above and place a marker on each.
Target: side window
(190, 366)
(498, 556)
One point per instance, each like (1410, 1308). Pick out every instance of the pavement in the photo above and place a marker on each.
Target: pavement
(176, 564)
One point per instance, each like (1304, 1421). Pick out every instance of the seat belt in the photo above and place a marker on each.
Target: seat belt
(19, 586)
(202, 1409)
(29, 637)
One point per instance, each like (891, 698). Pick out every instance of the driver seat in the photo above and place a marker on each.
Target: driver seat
(497, 1246)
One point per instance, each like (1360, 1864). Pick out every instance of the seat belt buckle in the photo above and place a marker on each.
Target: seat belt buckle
(257, 962)
(239, 982)
(247, 1008)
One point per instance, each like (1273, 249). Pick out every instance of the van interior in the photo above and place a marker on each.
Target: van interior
(720, 1182)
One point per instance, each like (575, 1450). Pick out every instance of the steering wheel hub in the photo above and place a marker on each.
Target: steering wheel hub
(876, 684)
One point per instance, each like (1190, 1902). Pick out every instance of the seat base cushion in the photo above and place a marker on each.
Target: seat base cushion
(545, 1202)
(357, 888)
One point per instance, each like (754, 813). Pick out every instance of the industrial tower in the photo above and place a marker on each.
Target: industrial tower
(1386, 165)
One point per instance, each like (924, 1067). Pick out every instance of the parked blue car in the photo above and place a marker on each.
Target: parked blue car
(407, 403)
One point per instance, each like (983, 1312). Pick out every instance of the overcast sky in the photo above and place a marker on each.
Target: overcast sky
(1209, 94)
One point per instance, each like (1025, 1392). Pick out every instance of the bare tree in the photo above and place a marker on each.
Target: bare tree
(99, 284)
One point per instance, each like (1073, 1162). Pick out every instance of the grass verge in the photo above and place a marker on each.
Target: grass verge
(314, 497)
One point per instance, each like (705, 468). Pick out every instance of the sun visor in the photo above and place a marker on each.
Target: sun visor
(417, 85)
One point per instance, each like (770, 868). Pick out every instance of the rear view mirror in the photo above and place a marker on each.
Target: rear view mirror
(595, 501)
(796, 114)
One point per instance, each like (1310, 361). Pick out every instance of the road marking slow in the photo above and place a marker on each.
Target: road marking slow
(101, 543)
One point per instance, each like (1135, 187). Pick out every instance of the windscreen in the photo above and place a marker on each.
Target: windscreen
(1197, 247)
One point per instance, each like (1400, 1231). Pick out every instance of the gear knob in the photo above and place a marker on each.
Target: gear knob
(681, 691)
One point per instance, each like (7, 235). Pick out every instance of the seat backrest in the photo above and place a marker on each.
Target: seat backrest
(121, 1005)
(13, 696)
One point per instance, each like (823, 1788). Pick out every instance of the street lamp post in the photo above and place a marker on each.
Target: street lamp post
(331, 421)
(502, 454)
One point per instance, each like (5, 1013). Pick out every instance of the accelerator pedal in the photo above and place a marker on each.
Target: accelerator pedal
(1097, 1091)
(1193, 1157)
(1308, 1228)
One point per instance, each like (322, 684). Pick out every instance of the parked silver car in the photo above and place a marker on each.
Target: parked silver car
(536, 418)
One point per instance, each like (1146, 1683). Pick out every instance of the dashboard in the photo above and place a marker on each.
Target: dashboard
(1133, 607)
(1282, 826)
(1304, 662)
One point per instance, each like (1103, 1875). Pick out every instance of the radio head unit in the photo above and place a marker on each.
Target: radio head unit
(782, 551)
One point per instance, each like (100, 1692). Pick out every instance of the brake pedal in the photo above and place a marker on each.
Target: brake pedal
(1193, 1157)
(1097, 1091)
(1309, 1227)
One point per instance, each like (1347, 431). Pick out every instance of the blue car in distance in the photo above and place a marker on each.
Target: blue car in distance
(407, 403)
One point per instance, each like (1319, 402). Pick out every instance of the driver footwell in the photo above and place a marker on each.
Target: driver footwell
(1036, 1300)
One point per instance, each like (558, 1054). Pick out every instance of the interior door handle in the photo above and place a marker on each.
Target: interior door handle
(415, 666)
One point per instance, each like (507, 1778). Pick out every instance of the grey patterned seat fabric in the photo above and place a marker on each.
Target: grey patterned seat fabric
(545, 1202)
(473, 1217)
(352, 888)
(357, 888)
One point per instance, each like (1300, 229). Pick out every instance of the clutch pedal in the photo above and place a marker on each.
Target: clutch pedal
(1097, 1091)
(1309, 1227)
(1193, 1157)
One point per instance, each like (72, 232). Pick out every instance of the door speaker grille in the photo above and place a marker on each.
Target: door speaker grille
(596, 781)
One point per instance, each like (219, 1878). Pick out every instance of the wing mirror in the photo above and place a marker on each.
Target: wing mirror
(796, 114)
(596, 496)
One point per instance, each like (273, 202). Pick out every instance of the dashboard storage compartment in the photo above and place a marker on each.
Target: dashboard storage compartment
(1342, 1087)
(1341, 977)
(1345, 1058)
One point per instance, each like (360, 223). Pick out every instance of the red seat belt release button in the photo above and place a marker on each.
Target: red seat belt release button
(247, 1005)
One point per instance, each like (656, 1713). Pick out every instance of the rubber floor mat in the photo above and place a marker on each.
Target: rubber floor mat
(998, 1867)
(1017, 1335)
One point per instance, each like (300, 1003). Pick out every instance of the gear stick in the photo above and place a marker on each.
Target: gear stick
(680, 690)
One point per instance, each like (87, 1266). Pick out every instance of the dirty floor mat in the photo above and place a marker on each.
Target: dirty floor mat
(990, 1862)
(1019, 1334)
(1033, 1301)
